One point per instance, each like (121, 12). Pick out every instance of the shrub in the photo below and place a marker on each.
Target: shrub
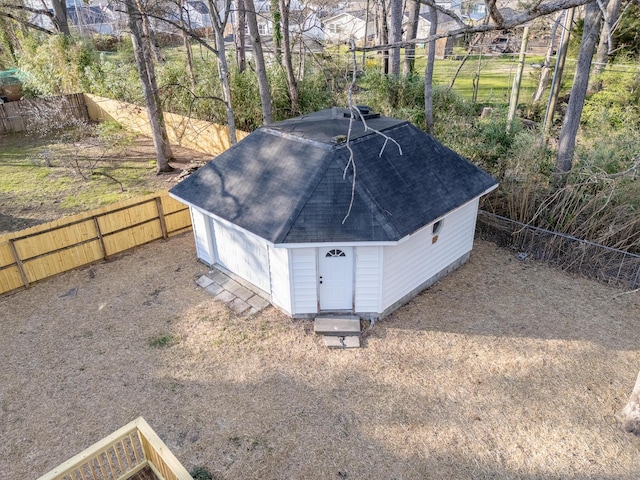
(55, 66)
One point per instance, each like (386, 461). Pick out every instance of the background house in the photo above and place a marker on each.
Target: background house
(276, 211)
(348, 25)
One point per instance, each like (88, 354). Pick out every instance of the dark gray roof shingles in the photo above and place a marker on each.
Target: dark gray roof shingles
(285, 182)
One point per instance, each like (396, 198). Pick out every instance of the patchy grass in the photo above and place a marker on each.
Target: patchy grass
(42, 179)
(164, 340)
(504, 369)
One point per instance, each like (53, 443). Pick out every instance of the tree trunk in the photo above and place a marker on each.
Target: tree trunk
(629, 416)
(395, 24)
(546, 67)
(277, 32)
(261, 69)
(187, 47)
(428, 71)
(559, 70)
(60, 20)
(142, 53)
(517, 80)
(567, 141)
(412, 32)
(604, 46)
(288, 63)
(383, 34)
(147, 31)
(240, 28)
(218, 22)
(478, 38)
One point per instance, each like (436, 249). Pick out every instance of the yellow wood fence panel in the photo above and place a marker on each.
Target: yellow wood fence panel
(10, 279)
(130, 238)
(57, 239)
(6, 255)
(62, 261)
(70, 242)
(200, 135)
(127, 217)
(170, 204)
(178, 221)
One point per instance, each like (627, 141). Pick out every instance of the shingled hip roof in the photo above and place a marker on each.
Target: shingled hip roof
(287, 183)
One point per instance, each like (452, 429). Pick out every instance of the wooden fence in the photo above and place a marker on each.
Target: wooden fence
(71, 242)
(206, 137)
(24, 114)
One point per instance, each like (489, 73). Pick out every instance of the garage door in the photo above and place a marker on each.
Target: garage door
(243, 254)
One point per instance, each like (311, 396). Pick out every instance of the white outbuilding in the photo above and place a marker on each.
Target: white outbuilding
(323, 225)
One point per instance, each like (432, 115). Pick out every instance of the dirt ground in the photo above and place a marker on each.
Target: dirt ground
(505, 369)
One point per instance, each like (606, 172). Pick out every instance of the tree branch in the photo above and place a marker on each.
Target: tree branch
(26, 23)
(536, 11)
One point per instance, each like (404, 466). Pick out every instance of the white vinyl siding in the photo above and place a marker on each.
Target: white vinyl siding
(280, 280)
(243, 254)
(304, 280)
(414, 261)
(202, 233)
(368, 279)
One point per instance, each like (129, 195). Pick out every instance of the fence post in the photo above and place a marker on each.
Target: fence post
(160, 211)
(19, 264)
(100, 239)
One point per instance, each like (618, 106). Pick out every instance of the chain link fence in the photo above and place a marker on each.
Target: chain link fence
(569, 253)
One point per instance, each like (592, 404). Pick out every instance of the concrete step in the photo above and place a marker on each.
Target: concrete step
(348, 341)
(339, 326)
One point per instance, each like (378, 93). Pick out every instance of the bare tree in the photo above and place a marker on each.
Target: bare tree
(543, 81)
(412, 33)
(17, 12)
(239, 27)
(395, 16)
(428, 72)
(277, 30)
(261, 69)
(567, 140)
(559, 70)
(141, 47)
(383, 33)
(219, 21)
(285, 9)
(187, 44)
(605, 45)
(60, 20)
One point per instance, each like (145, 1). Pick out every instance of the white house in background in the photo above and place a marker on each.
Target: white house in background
(276, 210)
(303, 20)
(196, 14)
(348, 25)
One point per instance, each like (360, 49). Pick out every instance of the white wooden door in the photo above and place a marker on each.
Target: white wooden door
(335, 267)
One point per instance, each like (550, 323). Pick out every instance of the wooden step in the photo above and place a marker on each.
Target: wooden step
(337, 326)
(348, 341)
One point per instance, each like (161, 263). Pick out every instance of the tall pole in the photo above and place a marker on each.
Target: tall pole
(517, 80)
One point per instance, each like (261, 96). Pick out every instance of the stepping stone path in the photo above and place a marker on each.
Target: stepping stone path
(238, 298)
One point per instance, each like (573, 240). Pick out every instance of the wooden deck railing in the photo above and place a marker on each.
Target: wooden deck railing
(121, 455)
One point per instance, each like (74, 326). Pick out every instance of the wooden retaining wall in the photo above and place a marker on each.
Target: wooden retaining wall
(199, 135)
(18, 116)
(71, 242)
